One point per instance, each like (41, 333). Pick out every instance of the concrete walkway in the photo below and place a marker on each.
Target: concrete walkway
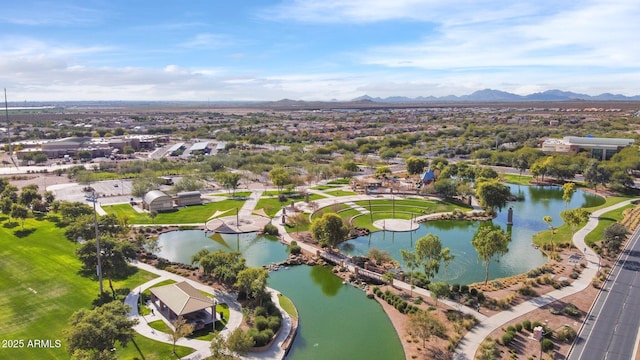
(470, 343)
(201, 346)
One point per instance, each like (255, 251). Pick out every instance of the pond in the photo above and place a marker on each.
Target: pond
(336, 321)
(457, 235)
(258, 250)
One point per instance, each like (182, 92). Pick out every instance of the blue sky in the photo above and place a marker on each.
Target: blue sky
(314, 50)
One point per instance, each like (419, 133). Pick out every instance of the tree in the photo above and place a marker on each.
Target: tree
(568, 189)
(382, 171)
(195, 258)
(95, 332)
(280, 178)
(230, 181)
(224, 266)
(253, 282)
(19, 212)
(492, 194)
(144, 183)
(423, 326)
(553, 229)
(490, 243)
(430, 254)
(409, 258)
(239, 341)
(575, 217)
(153, 214)
(29, 195)
(438, 290)
(180, 329)
(613, 237)
(220, 349)
(595, 174)
(415, 165)
(5, 205)
(329, 230)
(114, 256)
(446, 187)
(298, 220)
(85, 177)
(388, 278)
(10, 191)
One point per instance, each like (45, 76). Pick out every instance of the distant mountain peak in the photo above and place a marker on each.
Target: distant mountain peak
(491, 95)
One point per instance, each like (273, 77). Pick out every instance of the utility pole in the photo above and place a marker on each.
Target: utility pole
(95, 221)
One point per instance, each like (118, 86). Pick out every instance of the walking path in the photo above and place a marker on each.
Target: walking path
(201, 346)
(467, 346)
(470, 343)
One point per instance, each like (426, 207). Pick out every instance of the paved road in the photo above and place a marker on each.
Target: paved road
(611, 331)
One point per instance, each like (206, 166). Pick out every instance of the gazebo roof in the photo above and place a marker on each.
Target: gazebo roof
(182, 298)
(428, 175)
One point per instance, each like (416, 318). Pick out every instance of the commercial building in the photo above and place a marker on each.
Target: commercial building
(598, 148)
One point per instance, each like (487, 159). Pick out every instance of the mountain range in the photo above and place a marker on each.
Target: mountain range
(490, 95)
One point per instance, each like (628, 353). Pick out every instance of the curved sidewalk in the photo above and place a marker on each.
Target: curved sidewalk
(201, 346)
(470, 343)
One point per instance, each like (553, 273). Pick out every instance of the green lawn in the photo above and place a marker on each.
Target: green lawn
(186, 215)
(517, 179)
(340, 192)
(144, 348)
(288, 306)
(40, 288)
(325, 187)
(272, 205)
(564, 234)
(605, 221)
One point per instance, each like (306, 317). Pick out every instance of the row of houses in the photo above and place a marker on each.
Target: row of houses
(159, 201)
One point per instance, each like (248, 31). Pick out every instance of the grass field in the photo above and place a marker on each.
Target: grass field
(564, 234)
(40, 288)
(186, 215)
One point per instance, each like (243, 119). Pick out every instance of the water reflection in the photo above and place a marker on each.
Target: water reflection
(258, 250)
(328, 282)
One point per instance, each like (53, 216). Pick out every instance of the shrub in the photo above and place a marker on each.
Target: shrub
(261, 323)
(507, 338)
(274, 323)
(464, 289)
(518, 327)
(260, 311)
(547, 345)
(270, 229)
(571, 310)
(473, 292)
(566, 334)
(295, 249)
(527, 291)
(262, 338)
(511, 329)
(455, 288)
(527, 325)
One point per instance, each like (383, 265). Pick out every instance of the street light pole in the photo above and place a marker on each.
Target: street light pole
(95, 221)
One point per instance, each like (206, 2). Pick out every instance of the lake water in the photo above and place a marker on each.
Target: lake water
(338, 321)
(457, 235)
(258, 250)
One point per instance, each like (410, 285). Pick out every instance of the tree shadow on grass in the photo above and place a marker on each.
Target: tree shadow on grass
(3, 218)
(23, 232)
(10, 224)
(138, 349)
